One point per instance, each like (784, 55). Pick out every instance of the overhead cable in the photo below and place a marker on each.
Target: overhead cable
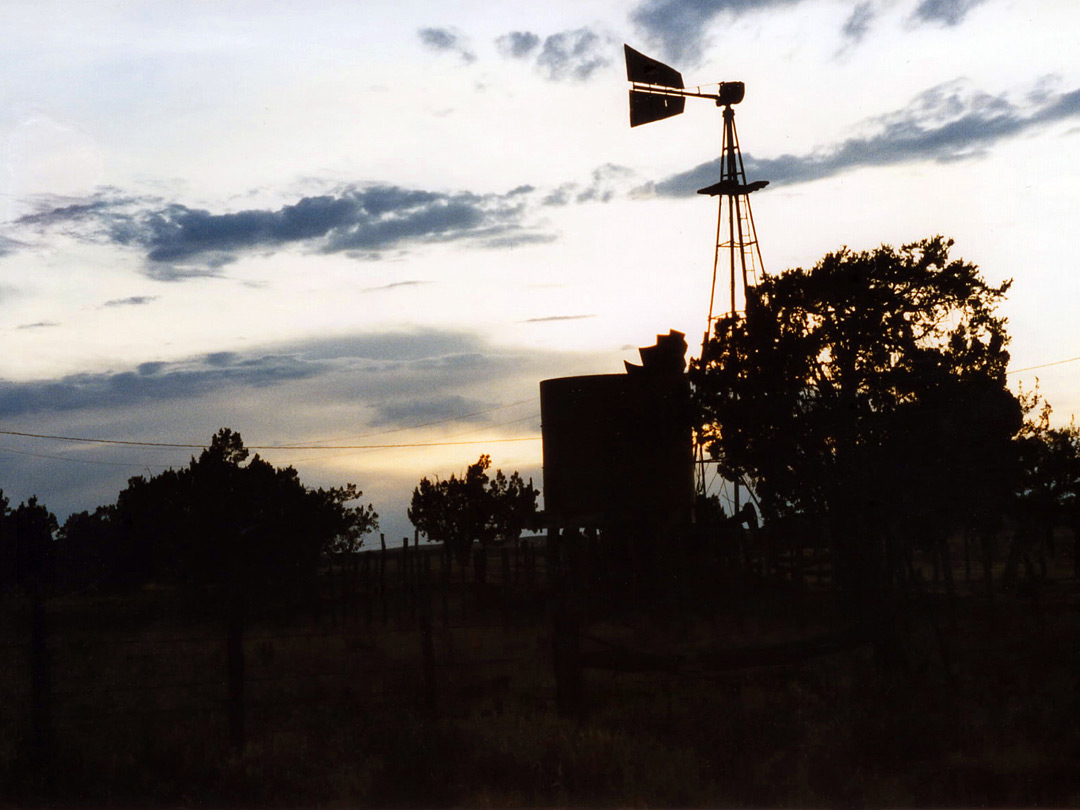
(131, 443)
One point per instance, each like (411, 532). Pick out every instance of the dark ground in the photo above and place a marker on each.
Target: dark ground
(983, 711)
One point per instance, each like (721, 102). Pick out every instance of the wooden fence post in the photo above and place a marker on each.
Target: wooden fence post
(382, 575)
(444, 585)
(427, 646)
(41, 742)
(405, 606)
(369, 587)
(235, 664)
(505, 581)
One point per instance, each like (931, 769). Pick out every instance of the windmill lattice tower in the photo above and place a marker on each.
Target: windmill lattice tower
(658, 92)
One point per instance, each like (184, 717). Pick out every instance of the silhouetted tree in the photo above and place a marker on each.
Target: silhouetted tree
(222, 519)
(1047, 494)
(457, 511)
(1065, 450)
(86, 549)
(26, 544)
(869, 392)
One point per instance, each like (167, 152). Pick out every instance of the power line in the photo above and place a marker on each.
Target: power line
(1043, 365)
(131, 443)
(80, 460)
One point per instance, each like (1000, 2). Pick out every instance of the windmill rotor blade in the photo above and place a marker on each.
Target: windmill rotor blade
(645, 70)
(648, 107)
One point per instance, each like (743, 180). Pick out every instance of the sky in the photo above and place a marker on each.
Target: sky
(361, 233)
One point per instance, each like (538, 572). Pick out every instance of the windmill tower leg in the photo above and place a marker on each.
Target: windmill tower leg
(736, 249)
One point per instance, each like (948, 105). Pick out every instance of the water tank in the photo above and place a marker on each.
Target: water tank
(617, 449)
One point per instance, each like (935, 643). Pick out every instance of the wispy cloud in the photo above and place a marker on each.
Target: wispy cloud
(395, 285)
(363, 221)
(567, 55)
(518, 44)
(148, 383)
(944, 12)
(8, 246)
(38, 325)
(858, 22)
(946, 123)
(551, 318)
(573, 54)
(445, 40)
(422, 410)
(131, 301)
(680, 27)
(605, 184)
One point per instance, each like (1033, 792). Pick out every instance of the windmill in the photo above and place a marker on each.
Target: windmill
(657, 92)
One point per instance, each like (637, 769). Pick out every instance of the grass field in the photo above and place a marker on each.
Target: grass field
(984, 712)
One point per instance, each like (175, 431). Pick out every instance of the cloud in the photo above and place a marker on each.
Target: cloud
(437, 370)
(132, 301)
(944, 12)
(414, 412)
(181, 242)
(9, 246)
(395, 285)
(395, 347)
(551, 318)
(156, 382)
(568, 55)
(38, 325)
(511, 239)
(679, 27)
(573, 54)
(858, 23)
(606, 183)
(149, 383)
(443, 39)
(517, 44)
(946, 123)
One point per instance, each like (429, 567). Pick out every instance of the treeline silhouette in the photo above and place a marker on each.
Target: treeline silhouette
(223, 520)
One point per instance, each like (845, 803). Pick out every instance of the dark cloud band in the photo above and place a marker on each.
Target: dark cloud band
(180, 241)
(944, 124)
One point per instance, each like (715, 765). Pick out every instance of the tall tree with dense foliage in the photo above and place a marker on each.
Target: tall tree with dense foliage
(1047, 493)
(26, 544)
(224, 519)
(457, 511)
(868, 392)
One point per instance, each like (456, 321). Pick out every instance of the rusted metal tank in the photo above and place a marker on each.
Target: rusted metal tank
(617, 447)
